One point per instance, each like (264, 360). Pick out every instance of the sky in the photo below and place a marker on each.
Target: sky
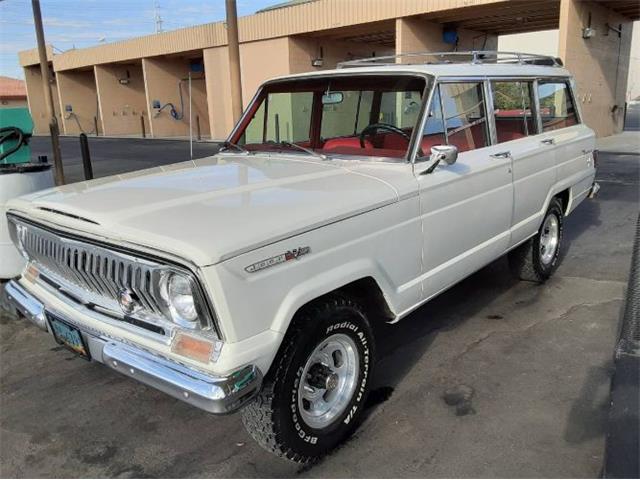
(83, 23)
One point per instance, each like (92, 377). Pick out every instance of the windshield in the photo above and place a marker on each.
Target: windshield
(371, 116)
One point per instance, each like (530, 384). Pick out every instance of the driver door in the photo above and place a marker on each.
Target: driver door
(466, 207)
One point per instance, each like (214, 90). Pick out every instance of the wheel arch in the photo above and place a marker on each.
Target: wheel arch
(565, 197)
(366, 287)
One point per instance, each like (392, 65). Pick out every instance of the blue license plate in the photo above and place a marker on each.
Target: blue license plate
(68, 336)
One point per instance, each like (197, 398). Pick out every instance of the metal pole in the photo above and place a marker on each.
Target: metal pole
(86, 157)
(54, 129)
(144, 132)
(190, 121)
(234, 59)
(95, 125)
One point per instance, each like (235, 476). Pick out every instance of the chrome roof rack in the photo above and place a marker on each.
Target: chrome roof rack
(475, 57)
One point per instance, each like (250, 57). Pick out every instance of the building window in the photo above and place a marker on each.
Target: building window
(557, 109)
(513, 115)
(457, 117)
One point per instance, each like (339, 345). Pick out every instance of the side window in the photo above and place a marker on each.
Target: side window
(513, 115)
(556, 105)
(462, 121)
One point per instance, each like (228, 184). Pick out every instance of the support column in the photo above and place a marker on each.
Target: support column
(254, 72)
(600, 64)
(35, 96)
(216, 64)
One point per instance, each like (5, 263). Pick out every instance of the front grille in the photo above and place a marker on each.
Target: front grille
(94, 274)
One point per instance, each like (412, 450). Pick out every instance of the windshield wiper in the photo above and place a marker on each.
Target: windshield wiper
(303, 149)
(227, 145)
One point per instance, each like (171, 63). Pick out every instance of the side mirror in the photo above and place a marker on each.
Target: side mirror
(444, 153)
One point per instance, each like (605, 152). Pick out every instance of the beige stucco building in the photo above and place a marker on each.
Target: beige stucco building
(141, 84)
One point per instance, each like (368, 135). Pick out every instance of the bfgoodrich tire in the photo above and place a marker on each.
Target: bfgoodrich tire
(313, 396)
(537, 259)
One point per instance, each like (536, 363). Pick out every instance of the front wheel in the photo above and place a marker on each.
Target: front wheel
(537, 258)
(314, 393)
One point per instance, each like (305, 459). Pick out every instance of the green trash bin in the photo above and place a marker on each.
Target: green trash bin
(16, 127)
(19, 175)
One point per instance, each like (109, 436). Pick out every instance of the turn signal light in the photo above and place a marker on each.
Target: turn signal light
(192, 347)
(31, 273)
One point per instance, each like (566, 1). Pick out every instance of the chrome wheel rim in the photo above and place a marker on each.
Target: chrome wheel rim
(549, 239)
(328, 380)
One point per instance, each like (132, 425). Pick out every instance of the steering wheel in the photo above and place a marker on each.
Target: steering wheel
(381, 126)
(385, 126)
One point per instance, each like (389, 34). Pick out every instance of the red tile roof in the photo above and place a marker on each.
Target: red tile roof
(12, 88)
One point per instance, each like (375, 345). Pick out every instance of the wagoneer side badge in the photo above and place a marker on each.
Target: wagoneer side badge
(278, 259)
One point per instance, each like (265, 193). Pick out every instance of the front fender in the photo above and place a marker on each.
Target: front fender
(326, 282)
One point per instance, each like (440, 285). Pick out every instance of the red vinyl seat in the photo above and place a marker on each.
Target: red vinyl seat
(351, 143)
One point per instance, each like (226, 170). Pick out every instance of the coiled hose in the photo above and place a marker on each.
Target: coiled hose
(10, 133)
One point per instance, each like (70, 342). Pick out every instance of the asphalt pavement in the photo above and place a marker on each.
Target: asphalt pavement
(110, 156)
(632, 116)
(535, 359)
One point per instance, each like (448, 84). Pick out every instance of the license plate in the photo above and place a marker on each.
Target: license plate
(68, 336)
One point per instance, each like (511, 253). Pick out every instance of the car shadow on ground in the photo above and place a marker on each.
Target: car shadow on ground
(589, 218)
(402, 344)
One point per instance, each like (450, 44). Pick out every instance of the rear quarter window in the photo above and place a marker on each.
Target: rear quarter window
(557, 107)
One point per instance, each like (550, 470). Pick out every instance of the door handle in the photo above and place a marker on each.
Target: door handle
(548, 141)
(505, 154)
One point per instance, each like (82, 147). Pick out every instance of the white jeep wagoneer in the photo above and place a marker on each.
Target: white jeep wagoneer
(251, 279)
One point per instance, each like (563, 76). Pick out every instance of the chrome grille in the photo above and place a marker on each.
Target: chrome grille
(94, 273)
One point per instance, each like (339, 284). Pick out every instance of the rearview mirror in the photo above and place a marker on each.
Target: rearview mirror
(331, 98)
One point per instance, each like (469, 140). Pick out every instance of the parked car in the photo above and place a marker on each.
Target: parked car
(251, 279)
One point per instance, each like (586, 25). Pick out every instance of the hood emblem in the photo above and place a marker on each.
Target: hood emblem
(278, 259)
(128, 301)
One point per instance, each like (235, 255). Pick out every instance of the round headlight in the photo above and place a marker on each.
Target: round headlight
(178, 293)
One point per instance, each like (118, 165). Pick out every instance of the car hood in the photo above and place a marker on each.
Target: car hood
(214, 208)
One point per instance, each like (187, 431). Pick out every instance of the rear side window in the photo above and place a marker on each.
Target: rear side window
(457, 117)
(557, 109)
(513, 114)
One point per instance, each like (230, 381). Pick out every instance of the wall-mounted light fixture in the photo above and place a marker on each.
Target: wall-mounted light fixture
(126, 79)
(318, 61)
(588, 32)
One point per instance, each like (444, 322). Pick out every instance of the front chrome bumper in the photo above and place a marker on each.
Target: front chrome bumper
(214, 394)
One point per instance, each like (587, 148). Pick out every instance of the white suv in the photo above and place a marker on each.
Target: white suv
(342, 198)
